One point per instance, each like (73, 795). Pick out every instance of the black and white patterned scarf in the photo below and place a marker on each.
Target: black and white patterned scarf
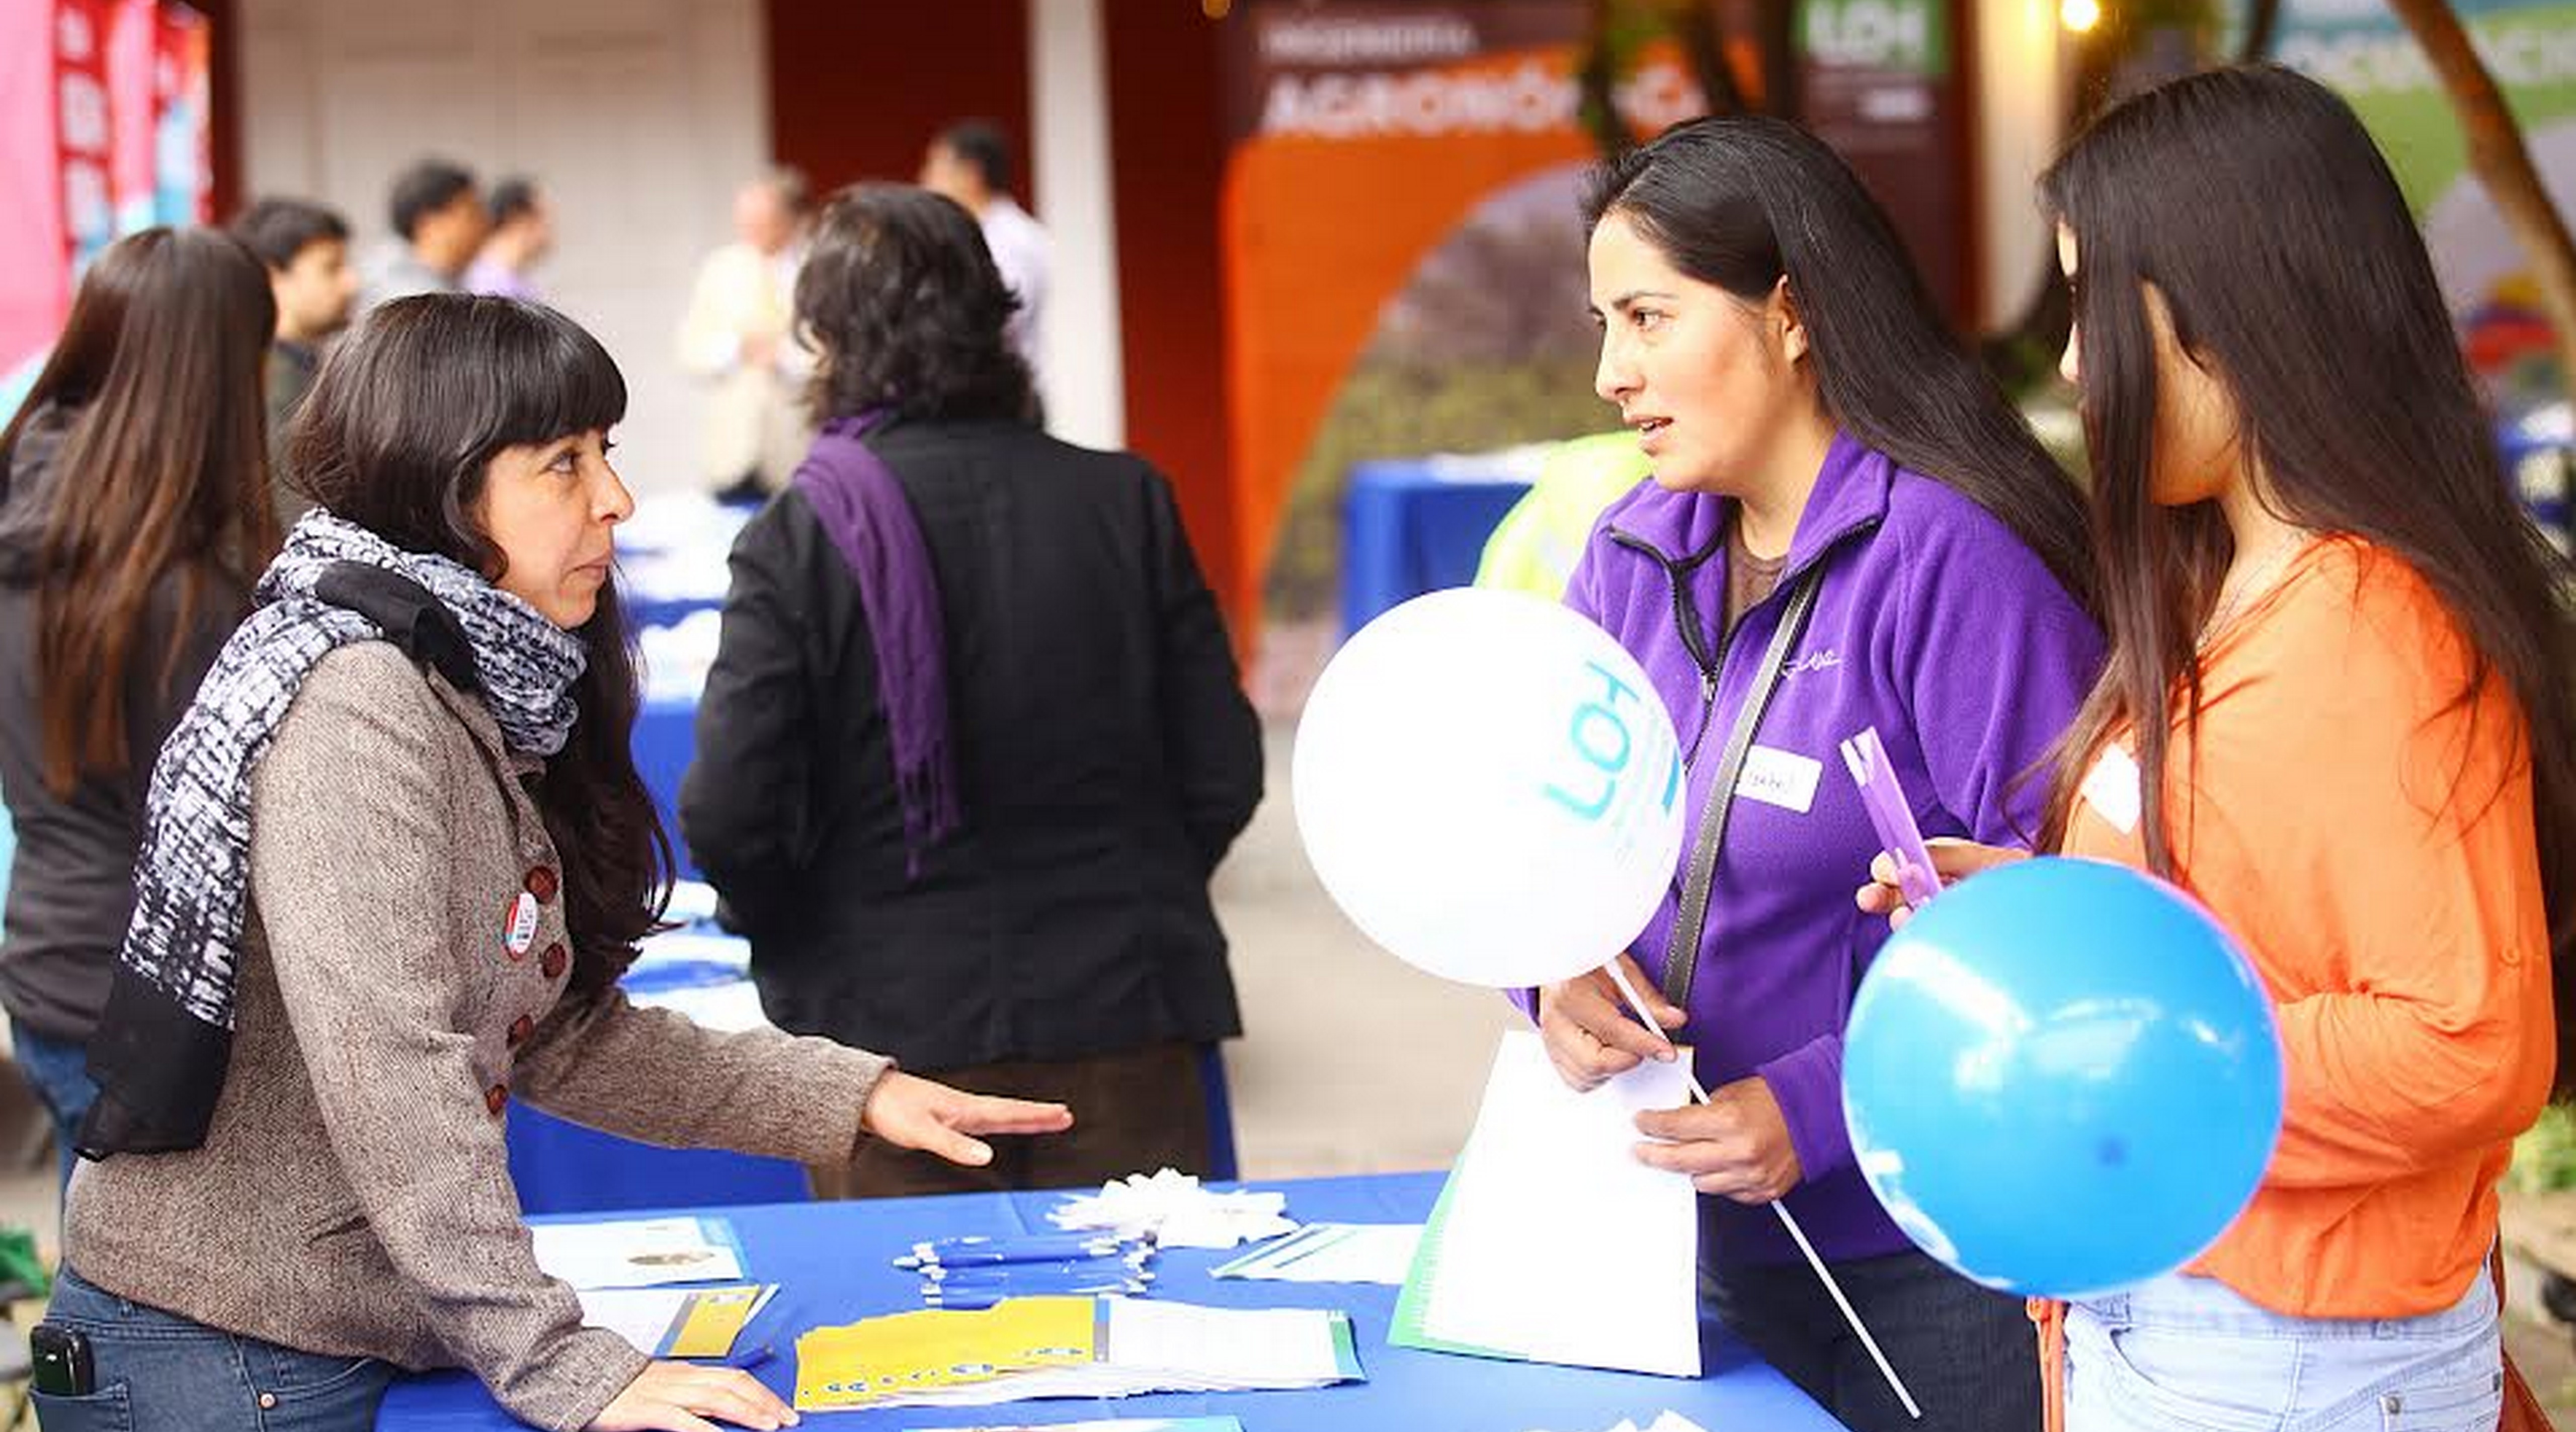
(162, 1046)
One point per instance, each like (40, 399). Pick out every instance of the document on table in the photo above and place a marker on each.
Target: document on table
(639, 1252)
(1069, 1347)
(1111, 1425)
(1551, 1242)
(676, 1322)
(1332, 1253)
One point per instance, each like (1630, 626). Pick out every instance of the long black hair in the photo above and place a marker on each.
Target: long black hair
(2257, 205)
(396, 437)
(162, 474)
(1742, 201)
(900, 294)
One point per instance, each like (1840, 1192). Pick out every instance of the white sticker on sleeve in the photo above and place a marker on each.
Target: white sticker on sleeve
(2112, 788)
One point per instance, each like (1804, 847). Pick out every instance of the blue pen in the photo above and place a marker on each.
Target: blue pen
(1129, 1266)
(1028, 1248)
(1047, 1284)
(963, 1300)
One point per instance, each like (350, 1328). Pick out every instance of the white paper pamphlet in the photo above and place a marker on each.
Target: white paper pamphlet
(1551, 1242)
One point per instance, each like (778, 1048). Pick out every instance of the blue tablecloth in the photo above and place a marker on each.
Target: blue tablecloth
(664, 739)
(830, 1262)
(1416, 526)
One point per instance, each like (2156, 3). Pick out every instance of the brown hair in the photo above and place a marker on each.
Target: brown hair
(900, 296)
(162, 472)
(2296, 273)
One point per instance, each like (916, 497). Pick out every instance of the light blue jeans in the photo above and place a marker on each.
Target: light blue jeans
(160, 1372)
(2186, 1352)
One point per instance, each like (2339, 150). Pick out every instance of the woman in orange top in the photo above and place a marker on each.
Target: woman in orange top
(2336, 711)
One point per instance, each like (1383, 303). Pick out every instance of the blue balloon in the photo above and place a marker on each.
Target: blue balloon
(2062, 1077)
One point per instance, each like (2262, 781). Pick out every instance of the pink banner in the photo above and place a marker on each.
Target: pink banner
(32, 244)
(133, 38)
(183, 113)
(103, 130)
(84, 136)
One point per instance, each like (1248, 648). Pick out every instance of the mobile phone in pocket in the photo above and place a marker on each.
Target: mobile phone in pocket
(61, 1361)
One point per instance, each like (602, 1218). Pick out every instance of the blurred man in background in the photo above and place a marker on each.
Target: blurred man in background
(306, 249)
(739, 337)
(438, 218)
(970, 162)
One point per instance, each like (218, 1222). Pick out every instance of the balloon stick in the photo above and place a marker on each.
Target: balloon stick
(1895, 1384)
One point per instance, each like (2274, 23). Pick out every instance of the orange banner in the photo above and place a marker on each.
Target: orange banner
(1363, 135)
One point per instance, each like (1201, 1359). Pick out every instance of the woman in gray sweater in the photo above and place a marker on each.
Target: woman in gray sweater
(396, 858)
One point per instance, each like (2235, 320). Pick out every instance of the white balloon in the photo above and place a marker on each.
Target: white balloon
(1489, 787)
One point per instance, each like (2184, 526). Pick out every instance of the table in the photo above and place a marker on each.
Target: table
(1419, 525)
(830, 1260)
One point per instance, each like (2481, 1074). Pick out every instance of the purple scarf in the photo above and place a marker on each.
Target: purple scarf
(862, 509)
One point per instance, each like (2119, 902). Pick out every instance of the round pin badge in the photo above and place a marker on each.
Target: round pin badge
(521, 931)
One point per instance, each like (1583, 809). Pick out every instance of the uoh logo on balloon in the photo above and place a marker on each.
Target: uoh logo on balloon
(1609, 770)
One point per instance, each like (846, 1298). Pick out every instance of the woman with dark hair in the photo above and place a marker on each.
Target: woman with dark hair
(133, 524)
(396, 859)
(973, 740)
(1848, 528)
(2337, 712)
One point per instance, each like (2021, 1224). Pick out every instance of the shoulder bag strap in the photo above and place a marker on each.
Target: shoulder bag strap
(1681, 960)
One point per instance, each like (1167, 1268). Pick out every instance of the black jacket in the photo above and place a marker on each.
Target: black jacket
(71, 884)
(1106, 759)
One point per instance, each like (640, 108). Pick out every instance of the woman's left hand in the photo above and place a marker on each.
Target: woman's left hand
(911, 1112)
(1736, 1145)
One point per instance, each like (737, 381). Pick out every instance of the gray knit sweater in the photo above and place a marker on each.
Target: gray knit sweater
(353, 1195)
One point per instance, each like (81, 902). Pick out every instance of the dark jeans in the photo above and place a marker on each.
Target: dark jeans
(159, 1372)
(1966, 1353)
(1132, 1113)
(58, 1070)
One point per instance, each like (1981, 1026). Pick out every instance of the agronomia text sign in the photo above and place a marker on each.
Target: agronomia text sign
(1364, 139)
(1399, 228)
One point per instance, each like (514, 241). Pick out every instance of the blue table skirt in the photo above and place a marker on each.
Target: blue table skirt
(831, 1262)
(558, 1166)
(665, 737)
(1406, 532)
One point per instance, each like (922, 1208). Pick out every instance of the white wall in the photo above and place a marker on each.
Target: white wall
(2021, 103)
(1070, 163)
(638, 118)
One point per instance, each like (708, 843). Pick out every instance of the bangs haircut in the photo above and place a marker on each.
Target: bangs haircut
(420, 398)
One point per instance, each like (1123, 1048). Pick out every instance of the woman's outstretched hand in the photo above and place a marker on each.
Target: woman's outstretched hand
(911, 1112)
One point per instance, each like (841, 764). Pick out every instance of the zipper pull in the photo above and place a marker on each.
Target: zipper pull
(1708, 686)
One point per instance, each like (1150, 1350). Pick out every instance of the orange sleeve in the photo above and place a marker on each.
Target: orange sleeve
(2371, 835)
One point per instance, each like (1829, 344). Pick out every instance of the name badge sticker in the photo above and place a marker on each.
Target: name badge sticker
(1780, 778)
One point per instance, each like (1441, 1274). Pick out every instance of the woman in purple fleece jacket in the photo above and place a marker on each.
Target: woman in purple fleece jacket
(1826, 460)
